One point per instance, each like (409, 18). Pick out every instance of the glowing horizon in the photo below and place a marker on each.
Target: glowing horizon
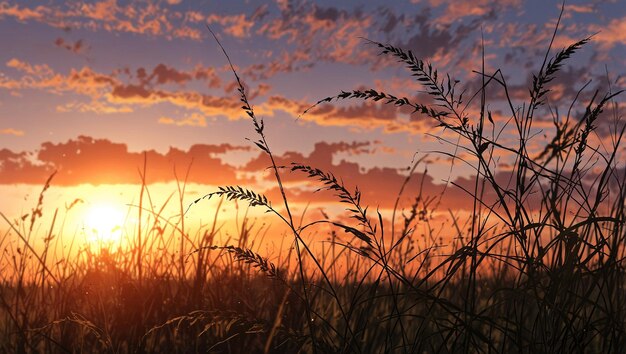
(112, 94)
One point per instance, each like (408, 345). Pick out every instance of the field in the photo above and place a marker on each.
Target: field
(538, 266)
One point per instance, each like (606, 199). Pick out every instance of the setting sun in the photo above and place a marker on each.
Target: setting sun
(104, 222)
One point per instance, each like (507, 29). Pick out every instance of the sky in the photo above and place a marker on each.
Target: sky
(92, 89)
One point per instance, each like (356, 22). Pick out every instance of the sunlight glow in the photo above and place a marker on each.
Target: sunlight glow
(104, 222)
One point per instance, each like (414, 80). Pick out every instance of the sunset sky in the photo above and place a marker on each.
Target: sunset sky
(87, 86)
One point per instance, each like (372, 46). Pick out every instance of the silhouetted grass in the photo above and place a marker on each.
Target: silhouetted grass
(537, 267)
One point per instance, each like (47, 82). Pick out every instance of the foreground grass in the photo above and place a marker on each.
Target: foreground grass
(538, 267)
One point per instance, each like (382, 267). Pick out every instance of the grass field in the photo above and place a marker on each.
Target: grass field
(537, 267)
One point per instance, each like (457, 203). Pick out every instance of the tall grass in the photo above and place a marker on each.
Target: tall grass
(537, 267)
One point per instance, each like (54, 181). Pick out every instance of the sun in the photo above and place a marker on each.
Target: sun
(104, 222)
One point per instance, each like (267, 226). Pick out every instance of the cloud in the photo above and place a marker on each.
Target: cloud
(77, 47)
(145, 18)
(323, 33)
(19, 168)
(359, 114)
(284, 62)
(209, 75)
(86, 160)
(193, 120)
(100, 161)
(321, 156)
(379, 185)
(114, 93)
(11, 131)
(332, 34)
(20, 65)
(610, 34)
(41, 76)
(569, 8)
(93, 107)
(237, 26)
(22, 14)
(306, 33)
(164, 74)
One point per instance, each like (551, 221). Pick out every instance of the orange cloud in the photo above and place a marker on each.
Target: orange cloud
(110, 93)
(19, 168)
(611, 34)
(237, 26)
(358, 114)
(454, 11)
(148, 18)
(579, 8)
(194, 120)
(21, 13)
(11, 131)
(94, 107)
(100, 161)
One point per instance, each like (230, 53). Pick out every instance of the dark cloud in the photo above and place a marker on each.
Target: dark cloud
(429, 40)
(164, 74)
(379, 186)
(18, 168)
(130, 91)
(77, 47)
